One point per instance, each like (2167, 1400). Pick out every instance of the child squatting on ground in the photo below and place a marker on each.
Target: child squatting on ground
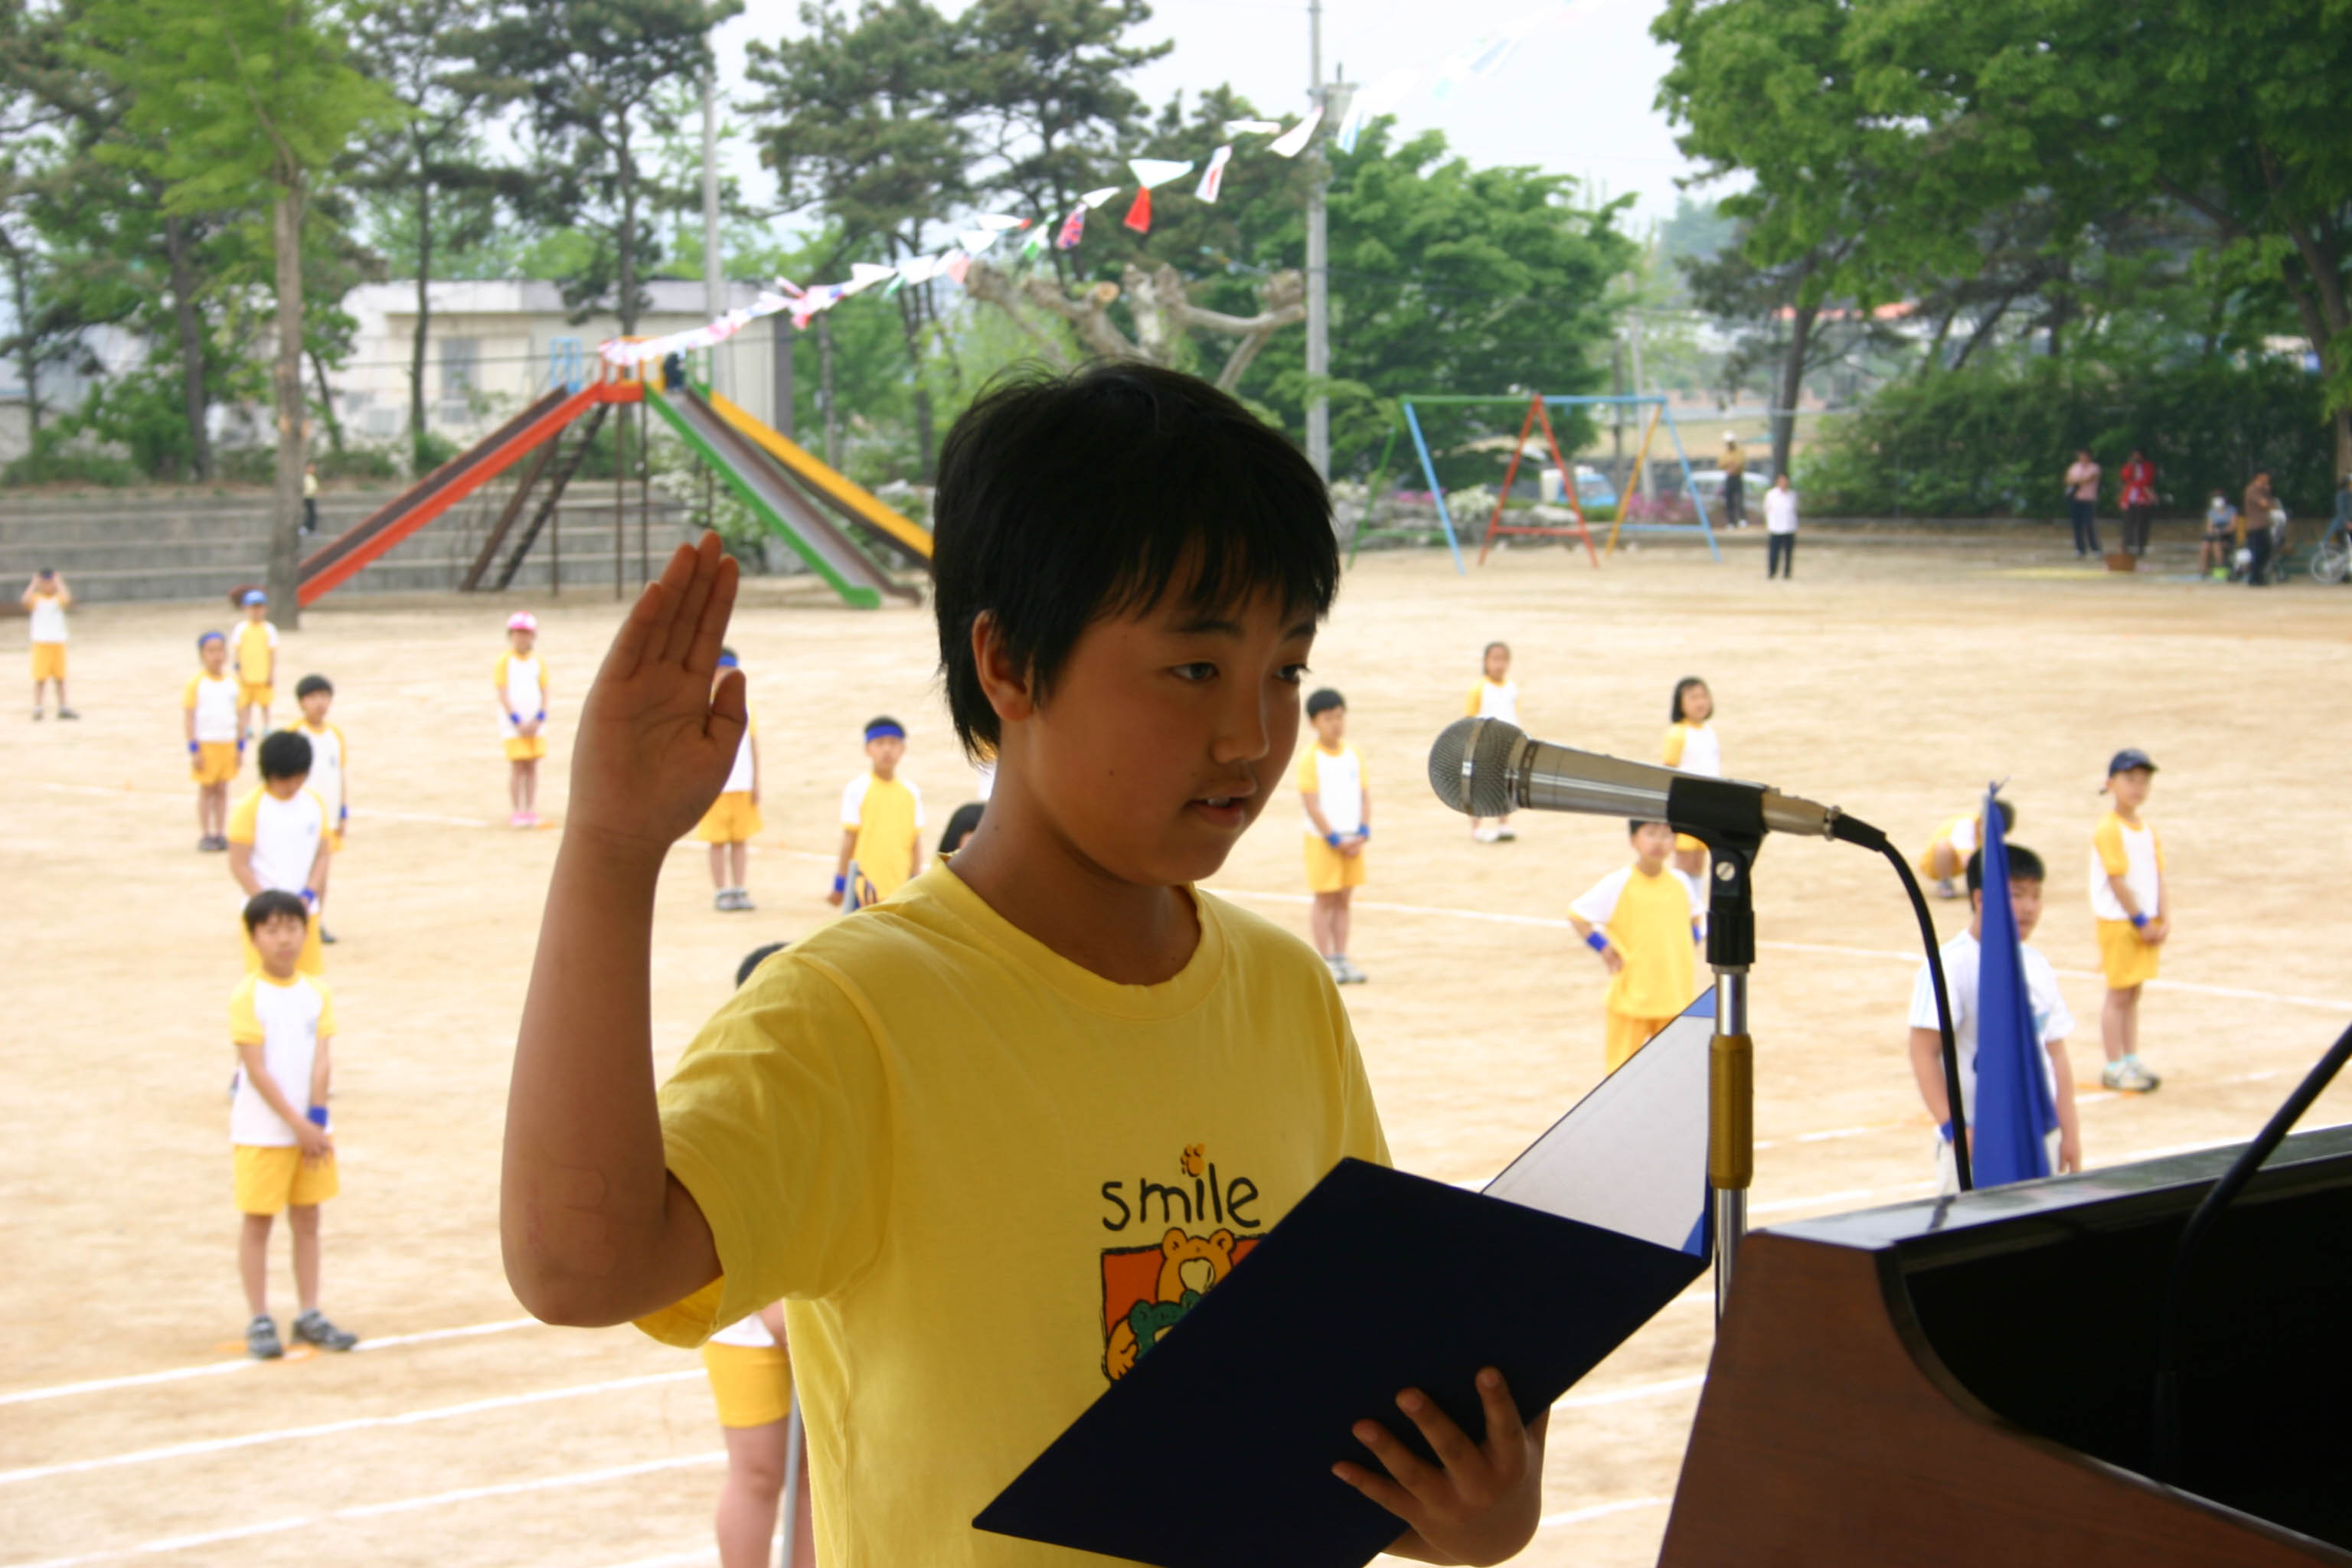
(2134, 915)
(281, 1022)
(1963, 956)
(733, 819)
(1645, 924)
(519, 680)
(1955, 839)
(1339, 823)
(215, 741)
(935, 1070)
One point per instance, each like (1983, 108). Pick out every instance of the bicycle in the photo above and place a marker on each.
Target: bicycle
(2331, 558)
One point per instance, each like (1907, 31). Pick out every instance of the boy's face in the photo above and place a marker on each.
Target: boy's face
(1498, 664)
(279, 940)
(1653, 842)
(214, 653)
(1164, 732)
(255, 612)
(521, 641)
(2024, 903)
(315, 706)
(285, 788)
(1330, 725)
(2130, 787)
(885, 752)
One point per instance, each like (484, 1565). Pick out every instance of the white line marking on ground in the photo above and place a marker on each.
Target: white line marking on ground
(675, 1559)
(2334, 1004)
(246, 1363)
(334, 1428)
(1599, 1510)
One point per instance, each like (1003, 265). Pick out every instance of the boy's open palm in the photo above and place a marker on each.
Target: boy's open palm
(655, 741)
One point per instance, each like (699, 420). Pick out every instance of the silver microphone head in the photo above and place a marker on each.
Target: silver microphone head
(1469, 766)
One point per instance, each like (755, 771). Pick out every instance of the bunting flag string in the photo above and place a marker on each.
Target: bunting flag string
(977, 235)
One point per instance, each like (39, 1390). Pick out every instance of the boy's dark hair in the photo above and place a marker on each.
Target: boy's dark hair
(1675, 713)
(311, 683)
(1635, 823)
(756, 957)
(961, 825)
(1063, 500)
(284, 754)
(1323, 701)
(269, 904)
(2024, 866)
(1488, 651)
(2008, 819)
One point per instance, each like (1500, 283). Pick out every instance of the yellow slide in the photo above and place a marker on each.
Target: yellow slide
(846, 494)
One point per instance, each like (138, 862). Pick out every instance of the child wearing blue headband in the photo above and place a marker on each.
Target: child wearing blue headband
(881, 824)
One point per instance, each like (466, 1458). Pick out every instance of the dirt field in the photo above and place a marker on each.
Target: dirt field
(1894, 680)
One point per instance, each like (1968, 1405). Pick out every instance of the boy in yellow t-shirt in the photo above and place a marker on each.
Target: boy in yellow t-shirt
(2135, 914)
(881, 824)
(209, 714)
(519, 680)
(281, 1022)
(1039, 1055)
(256, 664)
(331, 777)
(1339, 820)
(733, 819)
(1643, 922)
(277, 838)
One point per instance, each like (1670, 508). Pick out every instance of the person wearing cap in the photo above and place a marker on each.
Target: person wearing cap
(255, 653)
(521, 684)
(1735, 480)
(2127, 895)
(881, 824)
(733, 819)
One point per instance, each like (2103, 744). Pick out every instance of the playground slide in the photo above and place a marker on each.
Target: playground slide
(343, 558)
(844, 495)
(776, 500)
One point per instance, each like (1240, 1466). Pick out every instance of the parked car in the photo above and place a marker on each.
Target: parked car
(1593, 490)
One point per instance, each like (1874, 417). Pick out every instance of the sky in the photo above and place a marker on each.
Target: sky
(1576, 98)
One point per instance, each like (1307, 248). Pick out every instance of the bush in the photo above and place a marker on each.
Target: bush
(1994, 440)
(358, 463)
(53, 463)
(432, 449)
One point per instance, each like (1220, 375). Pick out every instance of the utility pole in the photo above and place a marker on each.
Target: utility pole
(1318, 270)
(714, 273)
(1634, 353)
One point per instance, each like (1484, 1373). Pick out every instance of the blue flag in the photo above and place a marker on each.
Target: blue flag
(2014, 1109)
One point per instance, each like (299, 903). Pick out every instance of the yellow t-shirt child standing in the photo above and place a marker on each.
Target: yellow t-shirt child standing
(520, 679)
(210, 720)
(255, 653)
(45, 600)
(1643, 922)
(2134, 915)
(881, 824)
(733, 819)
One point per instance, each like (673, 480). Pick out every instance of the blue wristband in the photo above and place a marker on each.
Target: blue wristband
(1597, 941)
(513, 717)
(193, 748)
(1363, 830)
(841, 884)
(319, 1117)
(2140, 919)
(541, 717)
(1946, 1129)
(1332, 839)
(310, 899)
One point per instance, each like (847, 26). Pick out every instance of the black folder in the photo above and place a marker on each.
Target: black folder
(1215, 1450)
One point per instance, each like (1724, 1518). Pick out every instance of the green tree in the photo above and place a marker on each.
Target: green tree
(245, 101)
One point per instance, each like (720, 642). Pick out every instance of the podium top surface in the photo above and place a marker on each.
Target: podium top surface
(1929, 1231)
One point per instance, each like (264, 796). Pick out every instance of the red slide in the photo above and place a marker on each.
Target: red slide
(341, 559)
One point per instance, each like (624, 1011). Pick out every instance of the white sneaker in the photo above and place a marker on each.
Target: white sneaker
(1345, 970)
(1485, 835)
(2128, 1076)
(1506, 834)
(1944, 889)
(1337, 967)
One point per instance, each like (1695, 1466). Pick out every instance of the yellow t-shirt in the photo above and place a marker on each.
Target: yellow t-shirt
(984, 1179)
(254, 647)
(887, 815)
(1649, 922)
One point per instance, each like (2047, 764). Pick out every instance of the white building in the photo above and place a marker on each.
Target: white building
(493, 346)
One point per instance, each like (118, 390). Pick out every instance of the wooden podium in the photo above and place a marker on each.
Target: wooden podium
(1965, 1381)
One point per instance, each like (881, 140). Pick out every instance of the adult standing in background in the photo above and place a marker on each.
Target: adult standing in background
(2083, 502)
(1780, 529)
(2138, 479)
(1735, 480)
(311, 497)
(2254, 524)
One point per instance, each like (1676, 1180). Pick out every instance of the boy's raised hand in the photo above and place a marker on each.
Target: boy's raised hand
(1480, 1502)
(655, 741)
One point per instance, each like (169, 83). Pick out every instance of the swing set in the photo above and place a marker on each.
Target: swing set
(1537, 415)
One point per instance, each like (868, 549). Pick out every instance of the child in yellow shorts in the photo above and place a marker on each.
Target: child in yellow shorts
(733, 819)
(278, 839)
(281, 1022)
(257, 663)
(208, 711)
(1643, 922)
(1339, 820)
(1692, 746)
(520, 682)
(46, 599)
(2135, 914)
(1955, 838)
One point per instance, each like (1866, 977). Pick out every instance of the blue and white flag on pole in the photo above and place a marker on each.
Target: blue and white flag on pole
(2014, 1111)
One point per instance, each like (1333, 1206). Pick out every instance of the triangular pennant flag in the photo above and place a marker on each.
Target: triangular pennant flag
(1139, 212)
(863, 275)
(1293, 141)
(1151, 172)
(1074, 228)
(1252, 126)
(958, 264)
(1212, 178)
(1037, 240)
(997, 223)
(1094, 199)
(916, 269)
(976, 241)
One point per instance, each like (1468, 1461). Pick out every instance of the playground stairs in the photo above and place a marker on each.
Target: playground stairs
(120, 548)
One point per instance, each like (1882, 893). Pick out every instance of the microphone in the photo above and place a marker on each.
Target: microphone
(1484, 768)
